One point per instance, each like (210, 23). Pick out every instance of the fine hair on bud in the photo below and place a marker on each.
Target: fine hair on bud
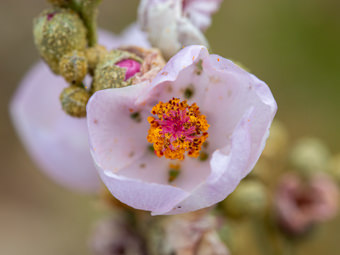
(94, 55)
(73, 67)
(108, 74)
(74, 99)
(58, 31)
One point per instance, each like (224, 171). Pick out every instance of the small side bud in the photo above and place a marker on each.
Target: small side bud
(194, 233)
(73, 100)
(334, 167)
(278, 140)
(73, 67)
(56, 32)
(115, 235)
(249, 198)
(94, 55)
(309, 156)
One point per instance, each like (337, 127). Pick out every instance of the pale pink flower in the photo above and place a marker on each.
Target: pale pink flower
(172, 24)
(300, 204)
(56, 141)
(238, 107)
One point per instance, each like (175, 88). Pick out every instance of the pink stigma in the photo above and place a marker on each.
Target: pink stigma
(177, 123)
(132, 67)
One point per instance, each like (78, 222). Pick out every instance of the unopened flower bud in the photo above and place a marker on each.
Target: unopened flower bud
(249, 198)
(153, 62)
(114, 71)
(172, 24)
(73, 67)
(301, 203)
(334, 167)
(277, 141)
(74, 100)
(114, 236)
(265, 171)
(94, 55)
(186, 234)
(56, 32)
(309, 156)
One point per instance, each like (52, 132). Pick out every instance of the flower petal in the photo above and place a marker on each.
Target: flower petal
(235, 89)
(57, 142)
(168, 27)
(117, 127)
(154, 197)
(119, 147)
(223, 91)
(239, 128)
(227, 95)
(200, 11)
(225, 172)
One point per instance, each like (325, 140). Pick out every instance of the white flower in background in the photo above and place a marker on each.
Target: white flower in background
(172, 24)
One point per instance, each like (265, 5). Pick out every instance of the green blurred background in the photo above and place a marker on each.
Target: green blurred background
(293, 45)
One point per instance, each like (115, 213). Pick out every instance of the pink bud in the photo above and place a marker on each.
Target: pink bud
(132, 67)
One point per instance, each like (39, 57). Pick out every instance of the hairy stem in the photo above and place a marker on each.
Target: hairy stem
(74, 5)
(88, 11)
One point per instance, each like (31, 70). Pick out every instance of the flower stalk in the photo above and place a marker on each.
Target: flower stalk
(88, 10)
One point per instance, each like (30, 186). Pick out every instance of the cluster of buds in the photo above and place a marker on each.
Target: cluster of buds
(65, 38)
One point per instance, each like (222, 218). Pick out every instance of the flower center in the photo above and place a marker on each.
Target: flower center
(177, 128)
(132, 67)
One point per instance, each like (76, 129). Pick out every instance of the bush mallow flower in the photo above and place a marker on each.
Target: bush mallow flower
(172, 24)
(302, 203)
(56, 141)
(183, 141)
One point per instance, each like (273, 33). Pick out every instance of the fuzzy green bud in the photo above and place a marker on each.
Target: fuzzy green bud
(277, 142)
(108, 74)
(73, 100)
(334, 167)
(309, 156)
(56, 32)
(73, 67)
(249, 198)
(94, 55)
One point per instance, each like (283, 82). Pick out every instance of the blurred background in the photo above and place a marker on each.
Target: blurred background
(293, 45)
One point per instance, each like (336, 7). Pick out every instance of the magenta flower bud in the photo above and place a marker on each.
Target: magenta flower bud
(132, 67)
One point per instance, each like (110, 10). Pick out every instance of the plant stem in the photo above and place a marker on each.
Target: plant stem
(88, 12)
(261, 236)
(288, 246)
(74, 5)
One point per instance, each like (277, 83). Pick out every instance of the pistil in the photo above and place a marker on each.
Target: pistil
(177, 129)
